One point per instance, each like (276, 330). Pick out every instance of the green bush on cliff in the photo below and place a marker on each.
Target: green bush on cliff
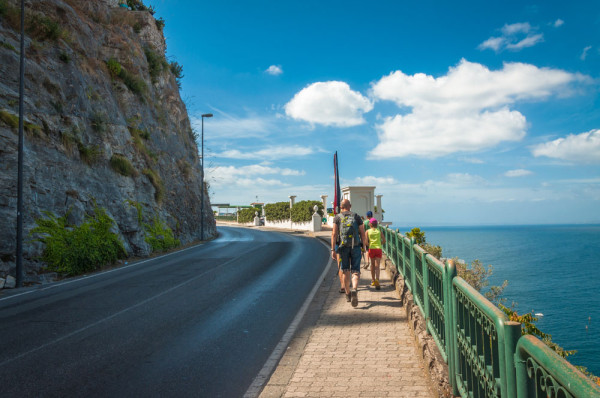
(176, 69)
(156, 63)
(89, 154)
(133, 83)
(160, 23)
(156, 181)
(9, 119)
(38, 26)
(43, 28)
(74, 250)
(114, 67)
(303, 210)
(122, 165)
(138, 5)
(159, 236)
(13, 121)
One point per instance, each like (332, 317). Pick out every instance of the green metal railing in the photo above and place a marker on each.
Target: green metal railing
(485, 352)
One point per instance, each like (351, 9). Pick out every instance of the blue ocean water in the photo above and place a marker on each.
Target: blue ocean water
(551, 269)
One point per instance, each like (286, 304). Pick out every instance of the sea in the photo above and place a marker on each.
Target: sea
(552, 271)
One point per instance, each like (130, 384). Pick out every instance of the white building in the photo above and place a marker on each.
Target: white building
(363, 199)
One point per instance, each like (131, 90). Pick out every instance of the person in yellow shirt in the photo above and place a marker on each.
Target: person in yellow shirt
(367, 226)
(375, 240)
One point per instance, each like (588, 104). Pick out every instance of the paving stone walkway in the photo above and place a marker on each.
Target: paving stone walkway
(367, 351)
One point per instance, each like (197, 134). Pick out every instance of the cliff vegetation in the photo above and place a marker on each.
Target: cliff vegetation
(108, 142)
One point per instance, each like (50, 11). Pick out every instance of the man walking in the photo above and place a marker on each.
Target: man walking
(349, 232)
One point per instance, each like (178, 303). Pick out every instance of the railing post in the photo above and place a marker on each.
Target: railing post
(450, 324)
(425, 273)
(390, 243)
(398, 256)
(521, 374)
(413, 276)
(386, 246)
(512, 334)
(403, 256)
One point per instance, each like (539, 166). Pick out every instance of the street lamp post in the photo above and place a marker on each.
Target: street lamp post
(19, 263)
(202, 182)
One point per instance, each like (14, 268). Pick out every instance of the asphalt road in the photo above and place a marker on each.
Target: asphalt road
(197, 323)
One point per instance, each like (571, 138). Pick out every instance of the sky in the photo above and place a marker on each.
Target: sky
(461, 113)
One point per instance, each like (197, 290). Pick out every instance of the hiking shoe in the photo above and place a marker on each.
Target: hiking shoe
(354, 297)
(348, 297)
(376, 282)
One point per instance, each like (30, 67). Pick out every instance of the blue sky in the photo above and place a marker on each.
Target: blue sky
(464, 113)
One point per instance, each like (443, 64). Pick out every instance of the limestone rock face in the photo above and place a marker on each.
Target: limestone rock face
(79, 114)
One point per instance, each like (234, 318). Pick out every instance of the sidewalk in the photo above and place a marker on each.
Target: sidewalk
(341, 351)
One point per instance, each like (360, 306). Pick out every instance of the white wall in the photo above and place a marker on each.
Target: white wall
(305, 226)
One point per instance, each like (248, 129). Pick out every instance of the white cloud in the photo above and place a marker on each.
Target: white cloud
(517, 173)
(558, 22)
(223, 125)
(270, 153)
(274, 70)
(529, 41)
(578, 181)
(465, 179)
(521, 27)
(426, 134)
(465, 110)
(248, 176)
(580, 148)
(514, 37)
(585, 52)
(471, 160)
(330, 103)
(493, 43)
(374, 181)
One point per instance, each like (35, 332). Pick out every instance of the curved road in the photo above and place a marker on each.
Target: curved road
(200, 322)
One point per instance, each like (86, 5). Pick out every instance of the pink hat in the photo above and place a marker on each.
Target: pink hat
(373, 222)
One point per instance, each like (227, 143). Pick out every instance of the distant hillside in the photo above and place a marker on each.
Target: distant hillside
(104, 123)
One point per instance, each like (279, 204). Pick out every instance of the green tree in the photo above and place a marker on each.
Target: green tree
(417, 234)
(478, 276)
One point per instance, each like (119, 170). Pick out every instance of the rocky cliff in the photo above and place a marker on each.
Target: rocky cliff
(104, 123)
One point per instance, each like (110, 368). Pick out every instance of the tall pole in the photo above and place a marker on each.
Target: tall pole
(202, 177)
(19, 265)
(202, 186)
